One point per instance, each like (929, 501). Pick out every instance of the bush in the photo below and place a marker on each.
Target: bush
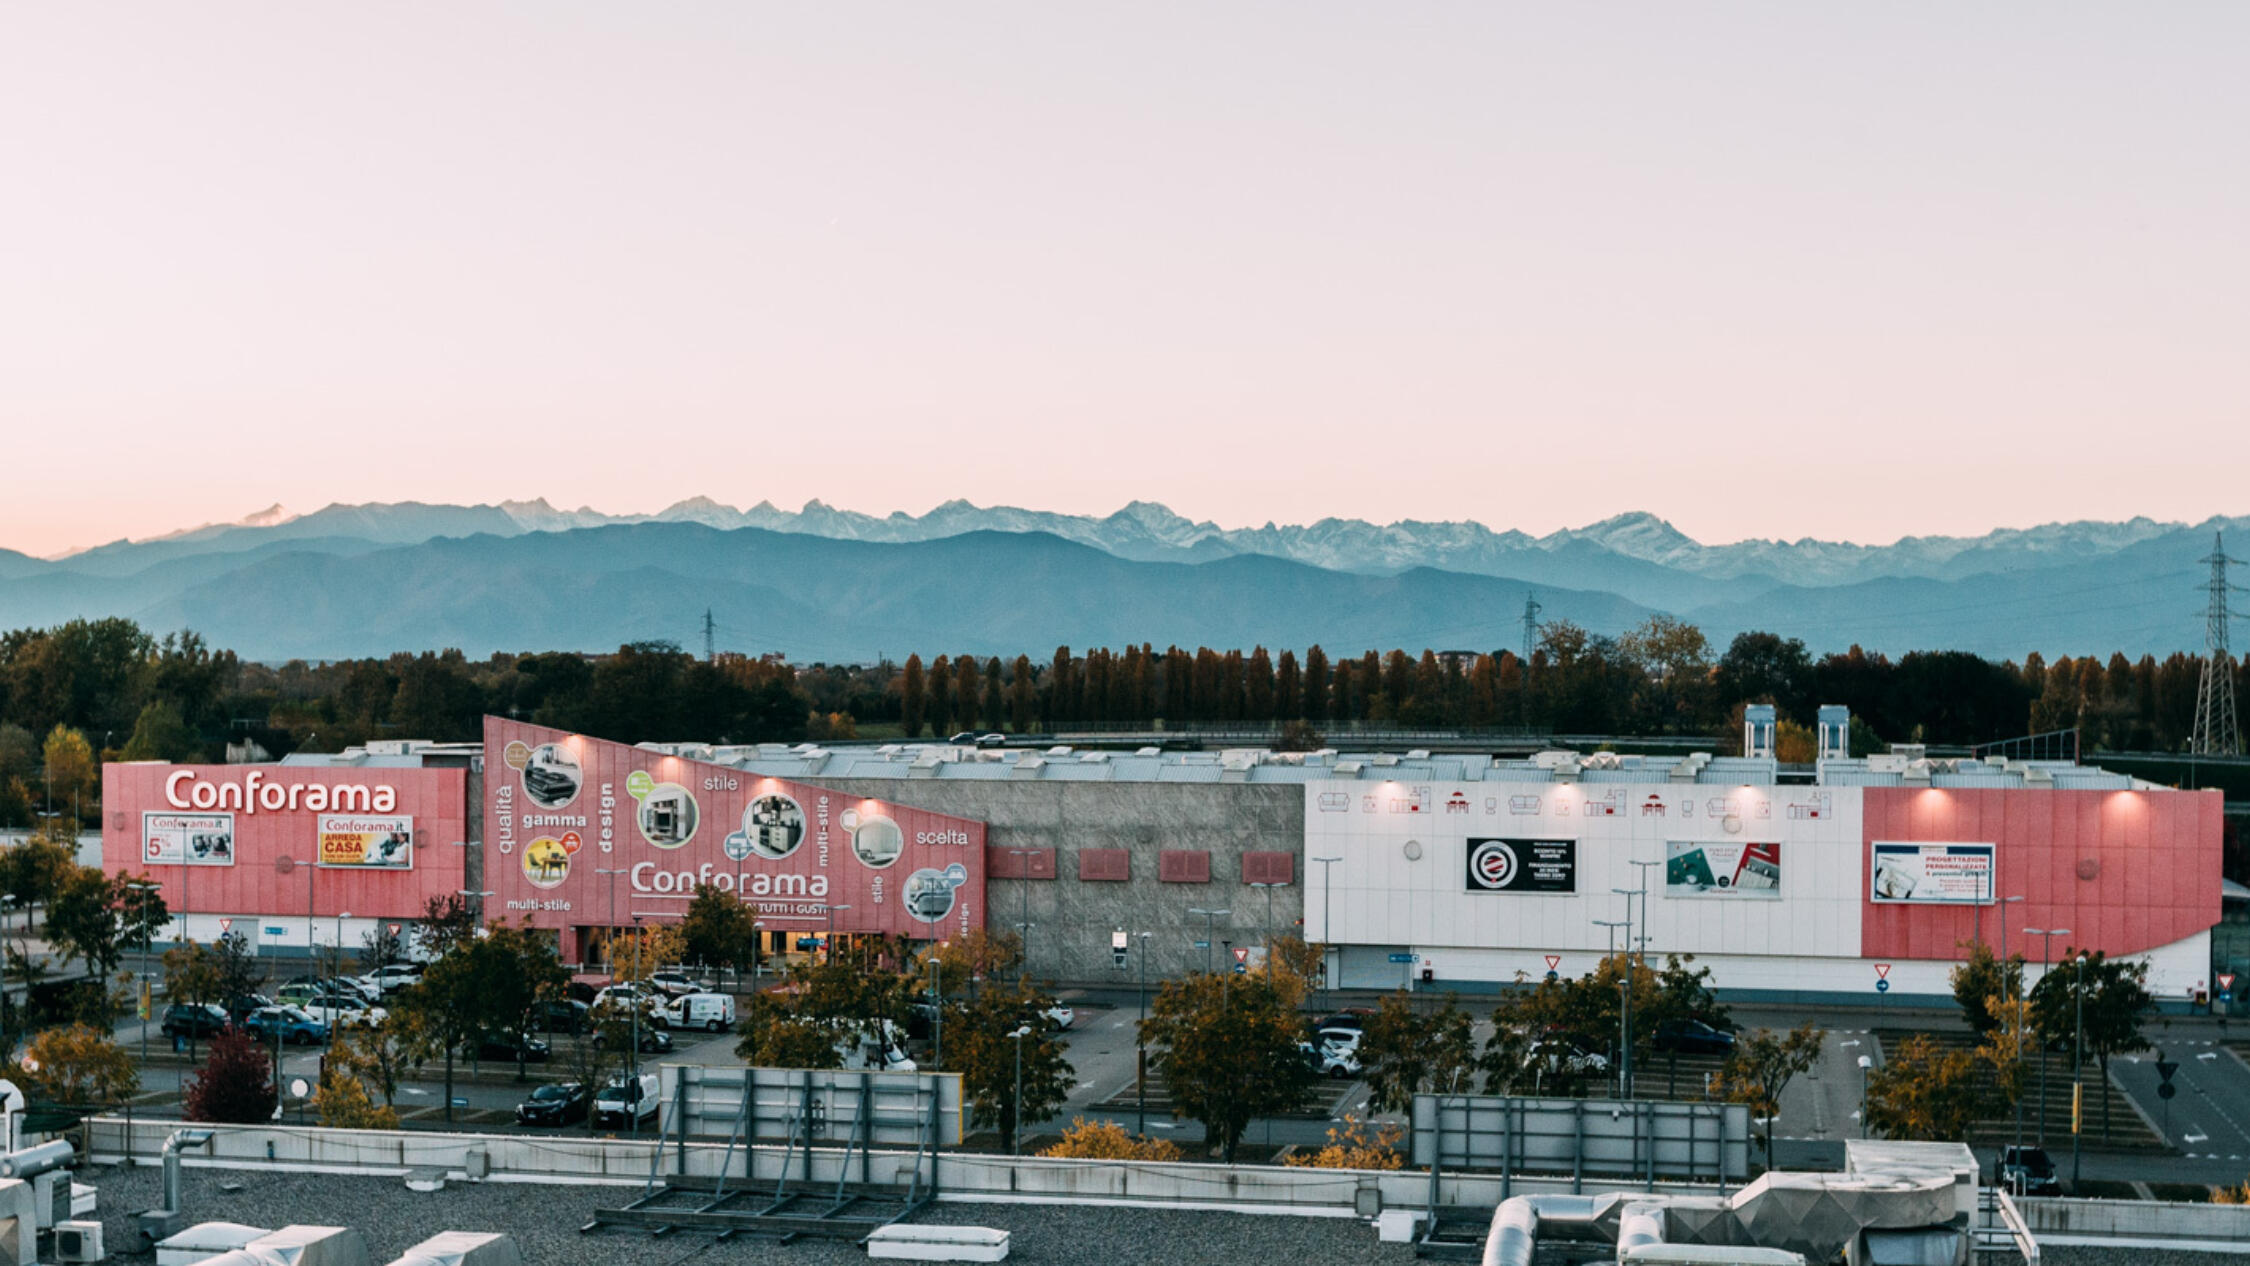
(1107, 1140)
(1350, 1148)
(234, 1087)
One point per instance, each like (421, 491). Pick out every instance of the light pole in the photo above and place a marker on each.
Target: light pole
(1140, 1049)
(1865, 1063)
(610, 930)
(7, 916)
(2015, 1005)
(1265, 934)
(2046, 955)
(1023, 911)
(1208, 931)
(1015, 1136)
(1643, 893)
(633, 1003)
(476, 898)
(2077, 1069)
(828, 942)
(141, 889)
(1624, 985)
(937, 1014)
(1327, 934)
(1625, 989)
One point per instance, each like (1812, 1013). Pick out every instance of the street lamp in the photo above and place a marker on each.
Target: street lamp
(828, 942)
(1624, 984)
(1265, 934)
(1140, 1049)
(1208, 931)
(141, 888)
(476, 898)
(1327, 934)
(609, 930)
(2046, 955)
(2077, 1069)
(2015, 1001)
(1015, 1136)
(1865, 1063)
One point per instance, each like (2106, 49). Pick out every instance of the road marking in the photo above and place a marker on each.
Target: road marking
(2195, 1135)
(1854, 1042)
(409, 1090)
(2211, 1055)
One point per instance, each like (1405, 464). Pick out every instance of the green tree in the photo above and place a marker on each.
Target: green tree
(161, 734)
(800, 1024)
(515, 968)
(447, 922)
(240, 971)
(32, 872)
(979, 1044)
(73, 778)
(1683, 993)
(95, 916)
(1924, 1091)
(717, 929)
(191, 975)
(2116, 1004)
(1405, 1052)
(1981, 978)
(1228, 1049)
(234, 1086)
(1762, 1066)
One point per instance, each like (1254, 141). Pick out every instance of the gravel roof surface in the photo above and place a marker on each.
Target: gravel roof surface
(544, 1219)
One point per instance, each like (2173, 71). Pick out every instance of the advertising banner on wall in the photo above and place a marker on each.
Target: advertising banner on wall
(565, 813)
(1931, 873)
(378, 840)
(1722, 868)
(187, 839)
(1498, 865)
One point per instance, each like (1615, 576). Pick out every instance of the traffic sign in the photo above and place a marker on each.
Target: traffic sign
(1553, 961)
(1241, 954)
(1402, 958)
(394, 929)
(2226, 981)
(460, 1102)
(2165, 1068)
(1203, 945)
(1883, 970)
(271, 930)
(1241, 969)
(2167, 1090)
(1882, 986)
(1552, 977)
(225, 926)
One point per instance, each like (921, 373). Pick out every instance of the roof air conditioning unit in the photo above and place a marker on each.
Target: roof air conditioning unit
(78, 1242)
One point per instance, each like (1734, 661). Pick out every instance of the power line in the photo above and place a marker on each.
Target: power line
(2216, 732)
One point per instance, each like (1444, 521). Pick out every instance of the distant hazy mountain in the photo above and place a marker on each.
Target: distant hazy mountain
(359, 579)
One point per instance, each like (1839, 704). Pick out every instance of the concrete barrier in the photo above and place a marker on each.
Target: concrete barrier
(2136, 1219)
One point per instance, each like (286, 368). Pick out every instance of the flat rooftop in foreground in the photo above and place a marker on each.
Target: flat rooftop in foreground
(544, 1219)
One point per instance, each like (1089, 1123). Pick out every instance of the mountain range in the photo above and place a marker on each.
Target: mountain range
(831, 584)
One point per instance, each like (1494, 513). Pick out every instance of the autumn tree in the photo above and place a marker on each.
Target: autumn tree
(235, 1085)
(975, 956)
(1762, 1066)
(1405, 1051)
(73, 777)
(1924, 1091)
(1350, 1146)
(95, 916)
(821, 1004)
(1981, 978)
(1228, 1049)
(981, 1044)
(717, 931)
(80, 1065)
(343, 1102)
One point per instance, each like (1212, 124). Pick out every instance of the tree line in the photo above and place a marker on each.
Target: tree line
(86, 691)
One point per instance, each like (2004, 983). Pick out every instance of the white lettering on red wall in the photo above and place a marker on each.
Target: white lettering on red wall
(254, 793)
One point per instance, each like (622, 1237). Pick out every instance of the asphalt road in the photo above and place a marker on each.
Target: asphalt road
(2209, 1117)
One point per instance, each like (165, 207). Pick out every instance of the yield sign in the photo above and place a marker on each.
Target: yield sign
(225, 926)
(1553, 961)
(1242, 953)
(1883, 971)
(2226, 981)
(394, 929)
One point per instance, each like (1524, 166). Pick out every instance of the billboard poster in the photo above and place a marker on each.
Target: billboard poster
(1499, 865)
(369, 841)
(1920, 874)
(1722, 868)
(577, 827)
(187, 839)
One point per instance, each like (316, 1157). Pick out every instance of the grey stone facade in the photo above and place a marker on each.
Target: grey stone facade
(1073, 920)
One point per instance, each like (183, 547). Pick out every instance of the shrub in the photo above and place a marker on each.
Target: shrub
(1350, 1148)
(234, 1087)
(1107, 1140)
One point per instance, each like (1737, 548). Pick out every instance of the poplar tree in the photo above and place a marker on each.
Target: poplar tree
(913, 697)
(1315, 706)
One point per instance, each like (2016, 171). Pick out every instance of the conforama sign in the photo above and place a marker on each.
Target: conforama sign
(580, 832)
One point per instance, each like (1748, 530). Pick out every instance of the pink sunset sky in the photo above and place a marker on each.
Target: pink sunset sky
(1766, 270)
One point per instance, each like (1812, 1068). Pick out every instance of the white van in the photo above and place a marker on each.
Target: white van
(627, 1100)
(712, 1011)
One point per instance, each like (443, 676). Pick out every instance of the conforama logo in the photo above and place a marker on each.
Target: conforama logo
(183, 790)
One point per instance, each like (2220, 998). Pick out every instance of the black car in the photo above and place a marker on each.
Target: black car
(511, 1047)
(1693, 1037)
(194, 1020)
(2028, 1171)
(559, 1016)
(241, 1006)
(653, 1041)
(559, 1104)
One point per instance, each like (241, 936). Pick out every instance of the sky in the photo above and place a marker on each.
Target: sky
(1851, 272)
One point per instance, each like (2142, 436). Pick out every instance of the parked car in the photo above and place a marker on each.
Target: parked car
(673, 983)
(1060, 1016)
(242, 1006)
(287, 1025)
(1348, 1018)
(511, 1046)
(626, 997)
(355, 986)
(392, 977)
(1562, 1056)
(194, 1020)
(2028, 1171)
(1693, 1037)
(992, 740)
(627, 1100)
(653, 1041)
(332, 1007)
(558, 1104)
(561, 1015)
(1335, 1053)
(709, 1011)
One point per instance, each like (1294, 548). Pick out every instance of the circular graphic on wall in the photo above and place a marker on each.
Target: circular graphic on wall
(877, 840)
(551, 776)
(1492, 864)
(929, 893)
(775, 825)
(546, 862)
(668, 815)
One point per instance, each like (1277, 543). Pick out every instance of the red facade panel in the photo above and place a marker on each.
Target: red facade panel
(1261, 867)
(1104, 865)
(2126, 871)
(1020, 863)
(376, 843)
(1183, 866)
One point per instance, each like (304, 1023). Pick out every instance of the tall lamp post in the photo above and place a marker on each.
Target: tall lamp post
(1624, 984)
(1865, 1063)
(7, 913)
(2046, 956)
(828, 942)
(1140, 1049)
(1015, 1136)
(2077, 1071)
(1209, 930)
(147, 1003)
(1327, 934)
(610, 930)
(2015, 999)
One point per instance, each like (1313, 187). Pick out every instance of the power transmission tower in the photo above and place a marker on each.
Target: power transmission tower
(2216, 731)
(710, 638)
(1531, 610)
